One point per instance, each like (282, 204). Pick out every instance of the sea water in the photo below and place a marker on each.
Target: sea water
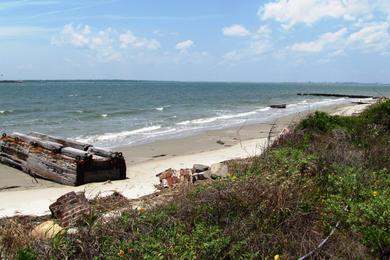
(111, 113)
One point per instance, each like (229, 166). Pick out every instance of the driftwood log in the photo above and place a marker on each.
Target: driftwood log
(59, 160)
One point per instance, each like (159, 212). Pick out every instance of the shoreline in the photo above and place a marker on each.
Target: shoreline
(24, 197)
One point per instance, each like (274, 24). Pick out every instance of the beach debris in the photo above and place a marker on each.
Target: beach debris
(169, 178)
(60, 160)
(200, 176)
(218, 170)
(46, 230)
(70, 208)
(159, 155)
(278, 106)
(220, 142)
(199, 168)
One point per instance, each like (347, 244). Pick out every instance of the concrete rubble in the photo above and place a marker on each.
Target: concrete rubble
(170, 177)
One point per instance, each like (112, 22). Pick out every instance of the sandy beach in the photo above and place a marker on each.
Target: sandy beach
(20, 194)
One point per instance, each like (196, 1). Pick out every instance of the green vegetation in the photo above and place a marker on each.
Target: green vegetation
(330, 171)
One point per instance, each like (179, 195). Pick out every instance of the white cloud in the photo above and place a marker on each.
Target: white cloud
(292, 12)
(78, 36)
(129, 39)
(235, 30)
(107, 44)
(322, 42)
(81, 36)
(373, 37)
(184, 45)
(263, 31)
(259, 43)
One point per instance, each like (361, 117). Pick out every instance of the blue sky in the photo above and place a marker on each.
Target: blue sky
(214, 40)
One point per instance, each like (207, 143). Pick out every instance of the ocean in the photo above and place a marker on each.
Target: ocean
(110, 113)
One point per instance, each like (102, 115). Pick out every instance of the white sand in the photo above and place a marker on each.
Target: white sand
(141, 176)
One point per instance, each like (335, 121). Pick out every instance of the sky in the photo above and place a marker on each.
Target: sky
(196, 40)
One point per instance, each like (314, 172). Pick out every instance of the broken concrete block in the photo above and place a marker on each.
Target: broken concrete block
(199, 168)
(46, 230)
(218, 170)
(201, 176)
(70, 208)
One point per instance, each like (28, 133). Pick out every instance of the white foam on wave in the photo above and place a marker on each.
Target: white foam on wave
(160, 133)
(222, 117)
(6, 111)
(161, 108)
(104, 115)
(156, 132)
(116, 136)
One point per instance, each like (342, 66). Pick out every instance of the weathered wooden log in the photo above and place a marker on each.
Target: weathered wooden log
(336, 95)
(64, 142)
(14, 150)
(51, 159)
(75, 153)
(11, 157)
(10, 161)
(49, 145)
(51, 171)
(103, 152)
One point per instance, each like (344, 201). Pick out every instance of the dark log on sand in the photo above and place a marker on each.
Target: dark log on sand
(278, 106)
(335, 95)
(50, 158)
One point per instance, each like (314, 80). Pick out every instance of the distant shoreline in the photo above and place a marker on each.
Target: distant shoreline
(206, 81)
(11, 81)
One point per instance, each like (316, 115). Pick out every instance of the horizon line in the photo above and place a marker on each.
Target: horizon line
(207, 81)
